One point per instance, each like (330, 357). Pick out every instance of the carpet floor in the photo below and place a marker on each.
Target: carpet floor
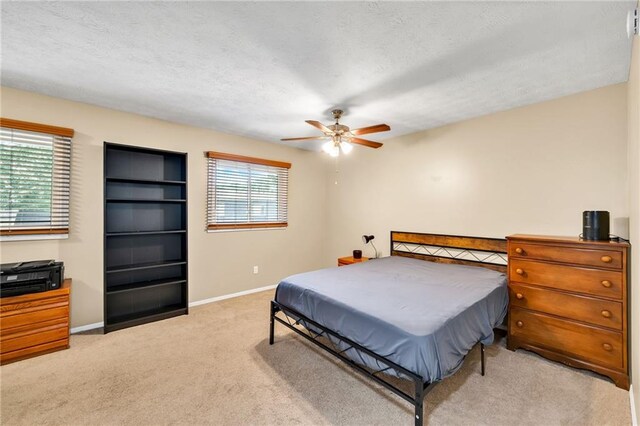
(215, 366)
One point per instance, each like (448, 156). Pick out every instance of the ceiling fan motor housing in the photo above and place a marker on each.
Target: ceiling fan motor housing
(339, 128)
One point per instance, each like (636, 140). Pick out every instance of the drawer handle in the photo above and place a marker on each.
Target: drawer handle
(606, 314)
(519, 296)
(606, 284)
(606, 259)
(519, 324)
(519, 250)
(607, 347)
(519, 271)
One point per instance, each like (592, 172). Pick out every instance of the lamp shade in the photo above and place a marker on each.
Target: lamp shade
(367, 238)
(346, 147)
(328, 147)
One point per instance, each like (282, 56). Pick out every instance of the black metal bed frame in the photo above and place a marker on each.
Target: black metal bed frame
(294, 319)
(493, 256)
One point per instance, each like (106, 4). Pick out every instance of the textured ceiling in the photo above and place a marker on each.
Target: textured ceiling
(261, 69)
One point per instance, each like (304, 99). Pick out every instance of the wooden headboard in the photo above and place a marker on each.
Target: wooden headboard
(488, 253)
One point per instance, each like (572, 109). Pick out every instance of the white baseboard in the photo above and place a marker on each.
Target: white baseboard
(87, 327)
(196, 303)
(231, 296)
(634, 419)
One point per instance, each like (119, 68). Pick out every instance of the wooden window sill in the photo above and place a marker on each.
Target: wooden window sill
(246, 226)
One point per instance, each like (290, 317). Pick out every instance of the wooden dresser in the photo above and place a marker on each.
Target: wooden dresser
(34, 324)
(568, 302)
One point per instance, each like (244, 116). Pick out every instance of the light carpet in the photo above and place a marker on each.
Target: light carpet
(215, 366)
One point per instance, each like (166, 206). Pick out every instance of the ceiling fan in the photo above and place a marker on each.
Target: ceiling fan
(341, 137)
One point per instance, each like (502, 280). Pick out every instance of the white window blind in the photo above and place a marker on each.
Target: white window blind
(35, 170)
(246, 192)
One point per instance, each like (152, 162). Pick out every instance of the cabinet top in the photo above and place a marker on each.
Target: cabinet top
(64, 290)
(570, 240)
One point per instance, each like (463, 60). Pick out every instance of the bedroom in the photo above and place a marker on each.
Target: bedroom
(505, 119)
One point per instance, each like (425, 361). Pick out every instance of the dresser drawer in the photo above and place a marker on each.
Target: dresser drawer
(32, 318)
(578, 256)
(592, 344)
(582, 280)
(602, 312)
(33, 350)
(35, 337)
(32, 305)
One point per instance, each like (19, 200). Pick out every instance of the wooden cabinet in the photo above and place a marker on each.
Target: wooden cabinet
(34, 324)
(349, 260)
(568, 302)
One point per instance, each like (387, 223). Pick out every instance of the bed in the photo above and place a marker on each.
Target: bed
(401, 316)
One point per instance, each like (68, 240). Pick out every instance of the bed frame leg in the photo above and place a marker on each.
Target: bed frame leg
(273, 311)
(482, 357)
(419, 401)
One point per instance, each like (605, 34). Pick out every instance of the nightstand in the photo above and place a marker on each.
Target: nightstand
(342, 261)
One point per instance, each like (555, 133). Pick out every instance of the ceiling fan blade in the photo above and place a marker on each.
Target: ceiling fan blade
(365, 142)
(319, 125)
(304, 139)
(371, 129)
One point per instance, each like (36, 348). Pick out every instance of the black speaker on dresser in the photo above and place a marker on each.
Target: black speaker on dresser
(595, 225)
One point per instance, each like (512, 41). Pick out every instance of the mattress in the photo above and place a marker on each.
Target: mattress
(423, 316)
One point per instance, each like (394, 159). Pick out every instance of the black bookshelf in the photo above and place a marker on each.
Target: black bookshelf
(145, 235)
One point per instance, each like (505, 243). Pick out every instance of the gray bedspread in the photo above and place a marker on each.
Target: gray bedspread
(423, 316)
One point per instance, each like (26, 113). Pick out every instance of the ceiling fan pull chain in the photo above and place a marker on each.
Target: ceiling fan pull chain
(337, 171)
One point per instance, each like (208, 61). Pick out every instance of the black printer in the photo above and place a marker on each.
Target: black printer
(30, 277)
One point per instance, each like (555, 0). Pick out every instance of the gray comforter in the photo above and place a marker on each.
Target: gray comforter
(421, 315)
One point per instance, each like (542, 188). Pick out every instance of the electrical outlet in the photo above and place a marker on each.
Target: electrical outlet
(255, 269)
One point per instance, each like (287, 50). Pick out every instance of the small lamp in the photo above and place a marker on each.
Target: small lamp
(369, 239)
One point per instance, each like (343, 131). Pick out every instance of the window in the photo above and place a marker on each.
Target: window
(35, 164)
(246, 192)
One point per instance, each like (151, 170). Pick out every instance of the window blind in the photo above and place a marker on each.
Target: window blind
(246, 192)
(35, 169)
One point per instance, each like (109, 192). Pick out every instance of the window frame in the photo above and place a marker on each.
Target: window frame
(44, 232)
(240, 226)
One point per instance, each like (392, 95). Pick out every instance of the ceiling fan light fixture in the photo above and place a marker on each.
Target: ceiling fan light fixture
(346, 147)
(342, 137)
(331, 148)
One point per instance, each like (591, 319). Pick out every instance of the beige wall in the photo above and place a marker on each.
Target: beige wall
(530, 170)
(633, 108)
(219, 263)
